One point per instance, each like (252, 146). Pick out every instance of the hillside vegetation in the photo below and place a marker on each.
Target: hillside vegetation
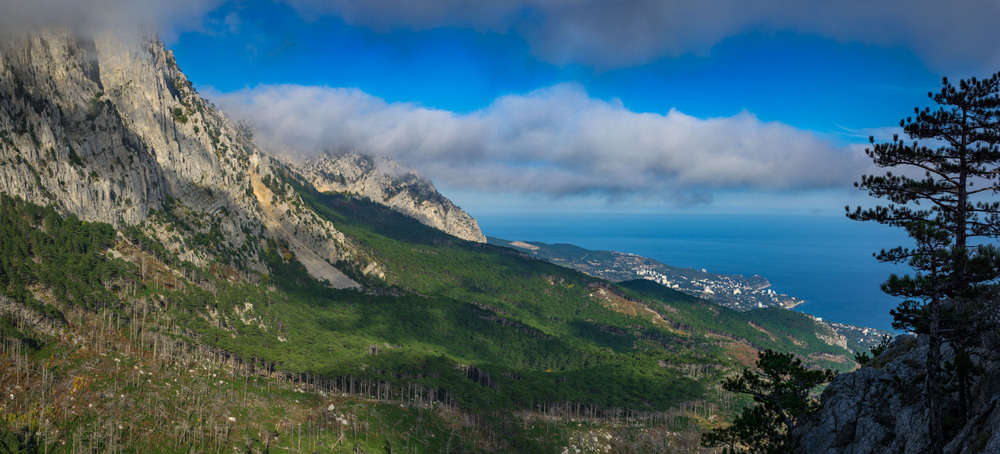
(167, 286)
(476, 333)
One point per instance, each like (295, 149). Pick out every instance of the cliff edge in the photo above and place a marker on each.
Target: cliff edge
(880, 408)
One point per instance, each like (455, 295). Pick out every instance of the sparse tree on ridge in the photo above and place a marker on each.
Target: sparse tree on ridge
(946, 202)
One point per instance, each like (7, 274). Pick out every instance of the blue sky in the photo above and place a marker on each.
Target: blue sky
(719, 106)
(802, 80)
(818, 87)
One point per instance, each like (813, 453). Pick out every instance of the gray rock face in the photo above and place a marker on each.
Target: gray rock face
(871, 410)
(386, 182)
(109, 128)
(63, 139)
(880, 409)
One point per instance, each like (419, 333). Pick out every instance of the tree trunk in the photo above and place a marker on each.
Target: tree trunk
(935, 430)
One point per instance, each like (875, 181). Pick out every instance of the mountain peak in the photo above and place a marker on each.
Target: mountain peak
(111, 130)
(389, 183)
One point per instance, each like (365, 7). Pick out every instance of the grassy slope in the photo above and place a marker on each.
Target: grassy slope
(531, 326)
(773, 328)
(529, 334)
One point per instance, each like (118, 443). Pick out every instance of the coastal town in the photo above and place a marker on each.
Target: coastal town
(731, 290)
(734, 291)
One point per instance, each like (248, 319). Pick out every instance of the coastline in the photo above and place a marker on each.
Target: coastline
(823, 260)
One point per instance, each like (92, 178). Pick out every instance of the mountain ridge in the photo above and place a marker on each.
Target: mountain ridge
(130, 133)
(158, 238)
(387, 182)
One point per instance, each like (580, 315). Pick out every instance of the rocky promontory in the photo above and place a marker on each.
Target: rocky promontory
(386, 182)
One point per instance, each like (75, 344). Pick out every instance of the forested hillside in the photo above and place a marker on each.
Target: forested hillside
(478, 332)
(236, 307)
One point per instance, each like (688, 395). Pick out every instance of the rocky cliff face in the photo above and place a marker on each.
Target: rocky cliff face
(879, 409)
(386, 182)
(108, 128)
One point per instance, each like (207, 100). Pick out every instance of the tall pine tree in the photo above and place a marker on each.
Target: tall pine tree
(945, 199)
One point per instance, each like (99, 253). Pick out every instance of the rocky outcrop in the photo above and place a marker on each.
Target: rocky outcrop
(828, 334)
(880, 408)
(107, 127)
(386, 182)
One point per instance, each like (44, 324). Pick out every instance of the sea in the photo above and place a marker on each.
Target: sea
(826, 260)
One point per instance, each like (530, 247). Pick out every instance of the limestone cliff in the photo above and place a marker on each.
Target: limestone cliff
(386, 182)
(107, 127)
(880, 408)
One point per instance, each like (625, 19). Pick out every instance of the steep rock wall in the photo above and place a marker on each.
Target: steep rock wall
(107, 127)
(880, 408)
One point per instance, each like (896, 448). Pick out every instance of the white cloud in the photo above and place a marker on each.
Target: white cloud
(960, 38)
(611, 33)
(89, 16)
(556, 141)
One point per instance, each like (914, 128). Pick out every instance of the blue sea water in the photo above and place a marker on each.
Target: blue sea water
(824, 259)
